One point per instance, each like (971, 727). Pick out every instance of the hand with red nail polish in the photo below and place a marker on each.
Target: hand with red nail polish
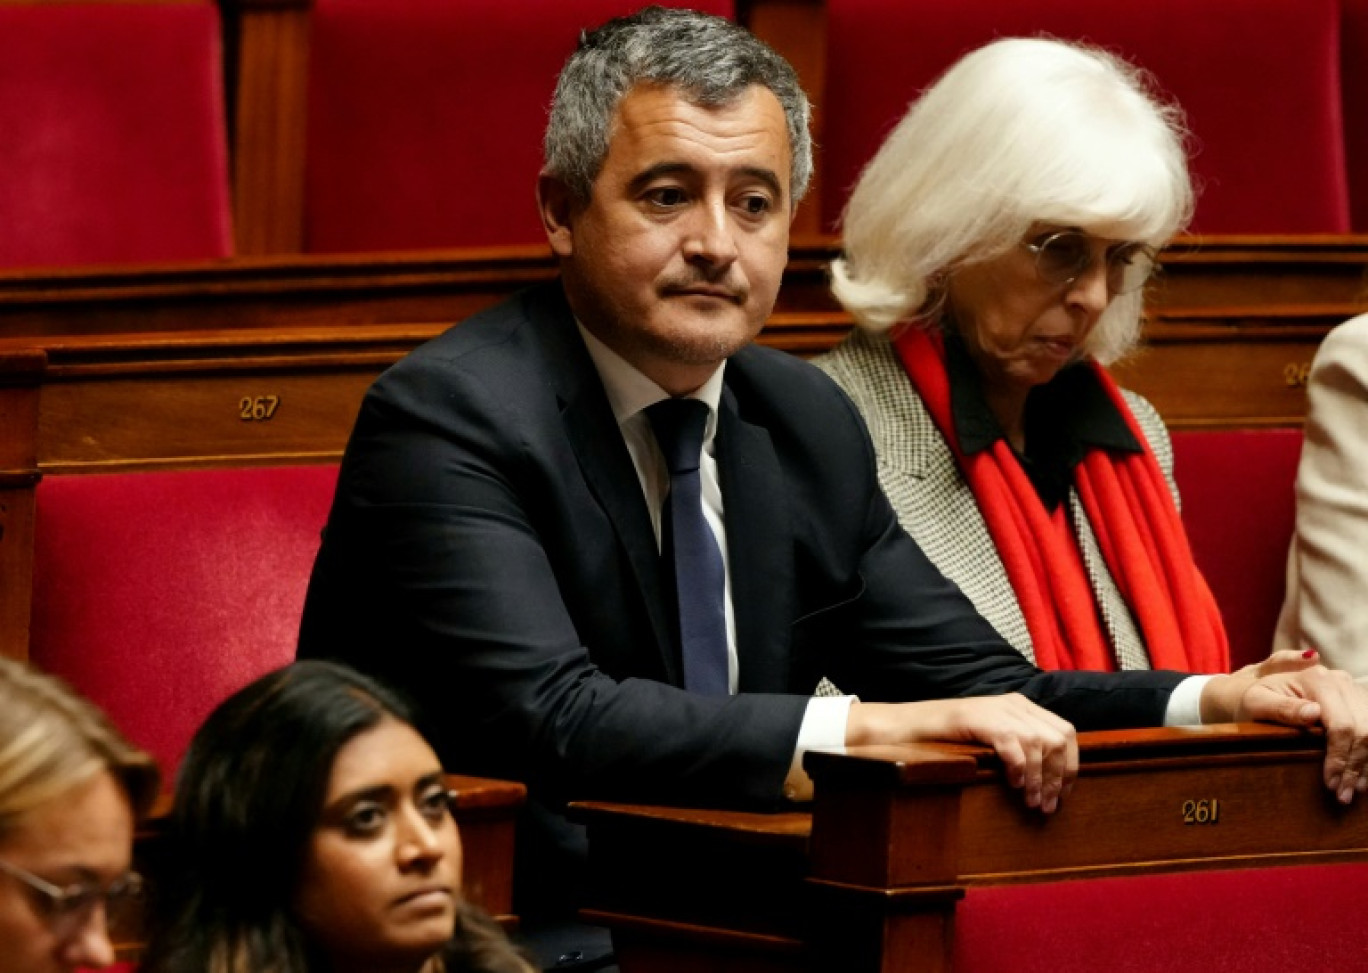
(1284, 660)
(1307, 695)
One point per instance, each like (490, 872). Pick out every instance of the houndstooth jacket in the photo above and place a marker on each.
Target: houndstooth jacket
(936, 506)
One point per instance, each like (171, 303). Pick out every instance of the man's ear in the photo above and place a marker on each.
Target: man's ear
(556, 204)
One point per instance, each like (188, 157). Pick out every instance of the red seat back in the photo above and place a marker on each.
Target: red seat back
(1258, 80)
(1260, 921)
(426, 117)
(113, 145)
(1239, 509)
(159, 594)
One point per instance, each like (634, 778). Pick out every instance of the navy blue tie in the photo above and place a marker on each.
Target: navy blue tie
(689, 547)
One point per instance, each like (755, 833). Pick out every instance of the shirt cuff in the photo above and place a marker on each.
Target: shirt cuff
(1185, 703)
(823, 728)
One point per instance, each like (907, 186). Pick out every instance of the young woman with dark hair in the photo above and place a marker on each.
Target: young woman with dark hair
(312, 833)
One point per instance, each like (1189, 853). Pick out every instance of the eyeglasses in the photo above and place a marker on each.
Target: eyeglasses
(68, 909)
(1064, 256)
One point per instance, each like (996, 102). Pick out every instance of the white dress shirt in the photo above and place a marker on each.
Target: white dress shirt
(630, 393)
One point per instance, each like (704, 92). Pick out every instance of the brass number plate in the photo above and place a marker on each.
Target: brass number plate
(1202, 812)
(1295, 374)
(257, 408)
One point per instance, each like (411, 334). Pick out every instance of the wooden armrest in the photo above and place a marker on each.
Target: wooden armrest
(897, 834)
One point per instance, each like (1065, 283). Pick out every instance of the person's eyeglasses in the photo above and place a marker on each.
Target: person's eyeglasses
(1064, 256)
(68, 909)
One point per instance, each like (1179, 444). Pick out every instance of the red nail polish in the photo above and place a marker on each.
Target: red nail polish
(1309, 654)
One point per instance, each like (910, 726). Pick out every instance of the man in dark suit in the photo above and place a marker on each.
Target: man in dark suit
(494, 547)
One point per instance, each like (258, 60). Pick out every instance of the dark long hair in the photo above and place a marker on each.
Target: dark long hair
(248, 798)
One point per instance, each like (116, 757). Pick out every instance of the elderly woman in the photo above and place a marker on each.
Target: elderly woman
(996, 251)
(313, 834)
(70, 790)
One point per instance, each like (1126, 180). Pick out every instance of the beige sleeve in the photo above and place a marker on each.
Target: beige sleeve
(1327, 596)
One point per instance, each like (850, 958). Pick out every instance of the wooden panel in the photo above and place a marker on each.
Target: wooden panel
(1147, 828)
(266, 292)
(270, 125)
(185, 400)
(1260, 271)
(18, 475)
(797, 30)
(1234, 321)
(1202, 375)
(16, 564)
(160, 422)
(873, 898)
(486, 811)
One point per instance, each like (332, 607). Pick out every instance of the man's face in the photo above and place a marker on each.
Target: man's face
(676, 259)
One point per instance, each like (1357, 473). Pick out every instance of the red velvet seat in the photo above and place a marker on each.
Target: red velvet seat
(1239, 510)
(113, 146)
(426, 117)
(1258, 79)
(158, 594)
(1262, 921)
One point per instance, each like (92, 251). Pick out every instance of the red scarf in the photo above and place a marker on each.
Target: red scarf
(1138, 529)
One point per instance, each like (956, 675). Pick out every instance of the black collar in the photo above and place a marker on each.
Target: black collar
(1065, 417)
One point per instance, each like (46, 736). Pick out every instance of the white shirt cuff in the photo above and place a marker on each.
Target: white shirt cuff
(823, 727)
(1185, 705)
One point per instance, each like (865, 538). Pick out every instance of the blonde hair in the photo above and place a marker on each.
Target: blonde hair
(1019, 132)
(52, 740)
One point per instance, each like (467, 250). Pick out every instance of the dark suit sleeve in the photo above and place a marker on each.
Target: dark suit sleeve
(461, 535)
(911, 634)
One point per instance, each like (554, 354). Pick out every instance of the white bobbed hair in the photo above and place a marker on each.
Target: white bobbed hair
(1019, 132)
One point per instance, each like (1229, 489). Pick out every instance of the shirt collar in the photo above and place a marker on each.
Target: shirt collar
(629, 391)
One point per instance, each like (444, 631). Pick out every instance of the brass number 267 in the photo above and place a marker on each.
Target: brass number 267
(257, 408)
(1201, 812)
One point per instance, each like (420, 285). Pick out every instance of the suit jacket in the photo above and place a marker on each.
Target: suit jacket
(935, 504)
(490, 551)
(1327, 570)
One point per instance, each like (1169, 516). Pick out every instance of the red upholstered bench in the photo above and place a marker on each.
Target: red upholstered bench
(1258, 80)
(1258, 921)
(426, 117)
(159, 594)
(114, 145)
(1239, 510)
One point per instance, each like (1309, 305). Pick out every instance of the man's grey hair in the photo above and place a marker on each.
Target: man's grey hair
(711, 61)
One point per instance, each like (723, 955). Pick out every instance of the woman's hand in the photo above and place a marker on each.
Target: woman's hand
(1038, 750)
(1306, 697)
(1284, 660)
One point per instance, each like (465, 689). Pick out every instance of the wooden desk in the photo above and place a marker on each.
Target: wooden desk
(869, 880)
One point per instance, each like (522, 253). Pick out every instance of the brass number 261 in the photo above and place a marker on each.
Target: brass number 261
(257, 408)
(1201, 812)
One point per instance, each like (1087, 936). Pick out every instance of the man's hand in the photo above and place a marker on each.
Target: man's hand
(1313, 696)
(1039, 751)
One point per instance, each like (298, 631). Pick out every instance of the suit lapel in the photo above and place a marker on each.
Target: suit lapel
(607, 467)
(759, 548)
